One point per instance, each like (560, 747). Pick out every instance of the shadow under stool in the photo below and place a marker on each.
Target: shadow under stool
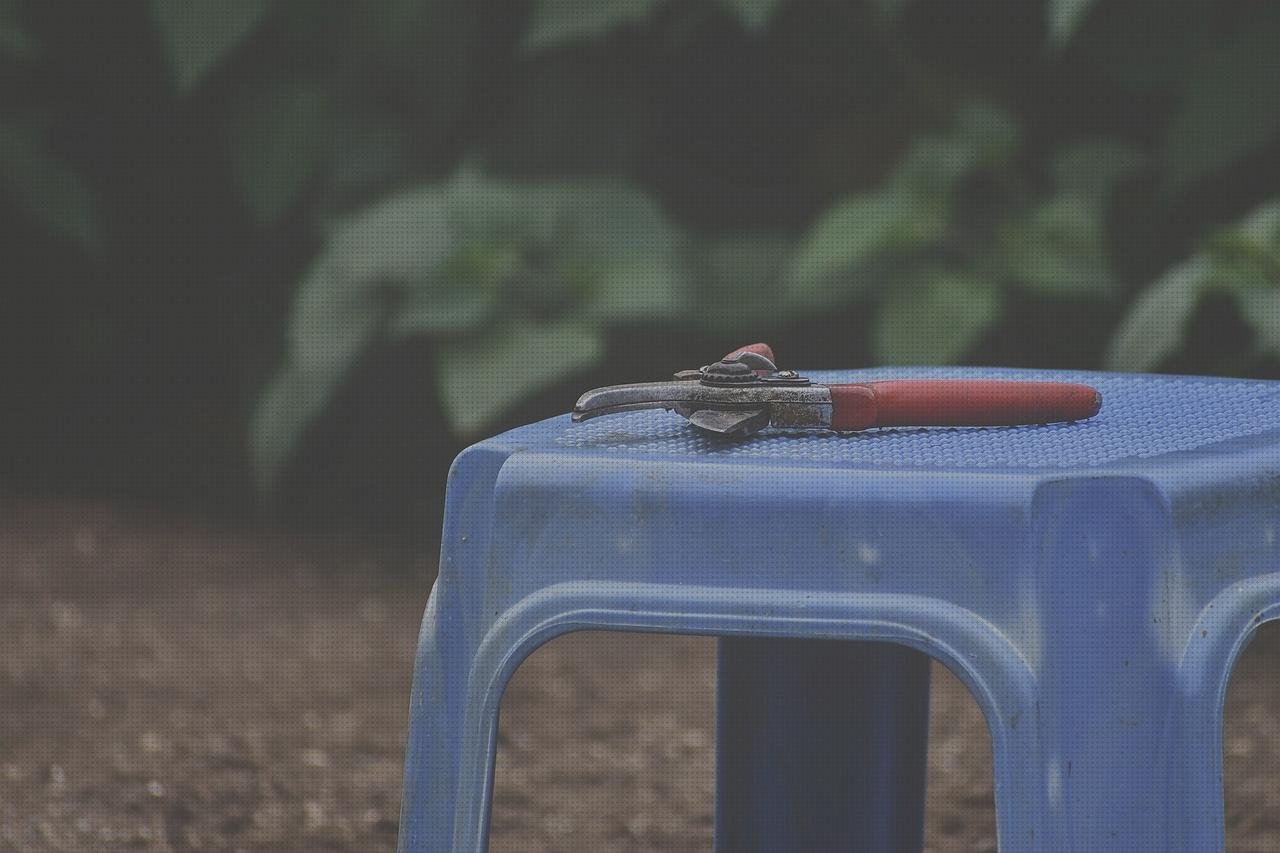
(1091, 583)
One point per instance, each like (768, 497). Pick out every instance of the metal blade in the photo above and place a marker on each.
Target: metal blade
(792, 406)
(730, 423)
(627, 398)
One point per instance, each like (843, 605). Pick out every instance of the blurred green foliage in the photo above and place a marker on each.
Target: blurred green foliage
(1241, 262)
(517, 282)
(233, 204)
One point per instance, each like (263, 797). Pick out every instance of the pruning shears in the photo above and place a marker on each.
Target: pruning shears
(744, 392)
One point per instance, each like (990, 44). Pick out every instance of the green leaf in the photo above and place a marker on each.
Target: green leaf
(1092, 169)
(1262, 226)
(1260, 308)
(932, 167)
(51, 192)
(909, 213)
(372, 262)
(851, 233)
(1243, 261)
(485, 376)
(642, 288)
(15, 41)
(556, 22)
(1058, 247)
(197, 34)
(1154, 327)
(982, 137)
(278, 141)
(754, 14)
(936, 320)
(1246, 263)
(602, 247)
(1065, 17)
(1247, 254)
(989, 132)
(291, 401)
(424, 312)
(1229, 107)
(628, 252)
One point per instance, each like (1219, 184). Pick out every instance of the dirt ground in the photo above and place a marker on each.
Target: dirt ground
(169, 686)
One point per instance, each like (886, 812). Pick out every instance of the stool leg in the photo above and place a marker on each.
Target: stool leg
(821, 745)
(457, 679)
(1127, 753)
(449, 756)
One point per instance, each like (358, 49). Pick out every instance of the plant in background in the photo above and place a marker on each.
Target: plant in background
(940, 268)
(261, 192)
(515, 282)
(1226, 78)
(1241, 262)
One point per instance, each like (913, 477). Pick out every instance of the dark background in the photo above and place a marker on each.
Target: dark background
(856, 182)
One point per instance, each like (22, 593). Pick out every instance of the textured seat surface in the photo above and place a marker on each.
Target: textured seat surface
(1142, 417)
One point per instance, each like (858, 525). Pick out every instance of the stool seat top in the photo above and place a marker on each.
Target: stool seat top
(1143, 417)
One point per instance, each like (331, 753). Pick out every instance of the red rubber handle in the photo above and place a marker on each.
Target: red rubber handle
(959, 402)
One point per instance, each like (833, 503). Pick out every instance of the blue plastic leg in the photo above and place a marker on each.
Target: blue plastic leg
(821, 745)
(450, 754)
(1113, 717)
(456, 687)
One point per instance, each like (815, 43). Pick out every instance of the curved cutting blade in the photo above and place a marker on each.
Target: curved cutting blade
(738, 409)
(731, 424)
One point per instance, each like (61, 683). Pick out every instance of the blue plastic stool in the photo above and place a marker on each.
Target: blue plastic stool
(1091, 583)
